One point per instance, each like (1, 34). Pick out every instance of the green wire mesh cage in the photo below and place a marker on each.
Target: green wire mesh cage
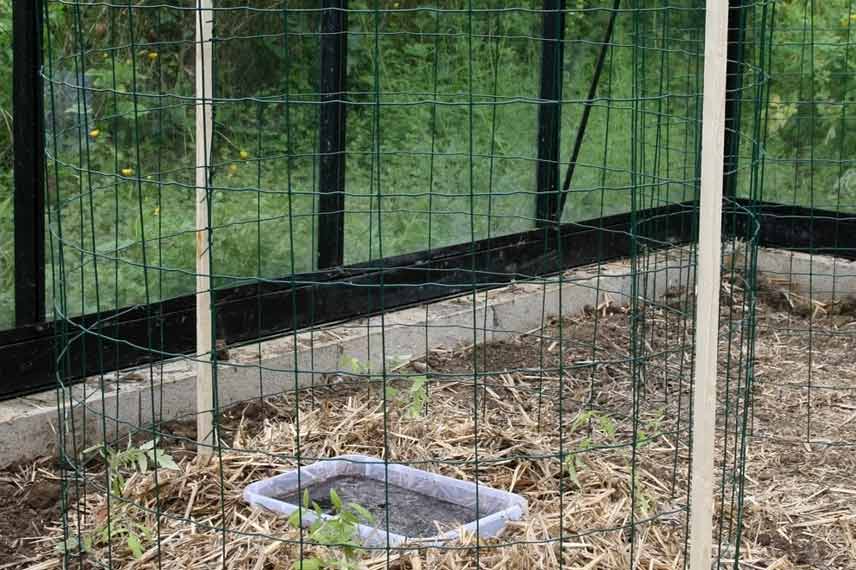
(804, 411)
(457, 237)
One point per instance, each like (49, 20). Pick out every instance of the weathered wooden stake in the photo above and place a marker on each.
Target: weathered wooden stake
(707, 279)
(204, 127)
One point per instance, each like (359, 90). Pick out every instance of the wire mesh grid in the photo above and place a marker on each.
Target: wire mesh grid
(365, 157)
(802, 424)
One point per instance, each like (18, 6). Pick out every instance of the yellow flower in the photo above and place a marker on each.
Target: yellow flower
(157, 211)
(244, 154)
(153, 55)
(94, 133)
(127, 171)
(233, 169)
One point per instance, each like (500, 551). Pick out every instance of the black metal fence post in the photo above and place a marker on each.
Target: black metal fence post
(331, 164)
(28, 136)
(733, 86)
(549, 111)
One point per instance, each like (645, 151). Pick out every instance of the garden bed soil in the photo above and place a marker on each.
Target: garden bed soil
(799, 500)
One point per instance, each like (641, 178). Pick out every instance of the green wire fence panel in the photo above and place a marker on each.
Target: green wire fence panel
(805, 330)
(532, 165)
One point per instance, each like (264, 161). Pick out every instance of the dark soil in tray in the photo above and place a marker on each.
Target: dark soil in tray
(411, 513)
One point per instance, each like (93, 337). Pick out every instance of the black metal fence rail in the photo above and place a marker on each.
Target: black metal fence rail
(248, 312)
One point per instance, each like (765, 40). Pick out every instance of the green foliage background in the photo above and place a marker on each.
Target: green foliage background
(7, 258)
(122, 150)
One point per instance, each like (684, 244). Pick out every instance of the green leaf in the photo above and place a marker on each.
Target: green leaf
(134, 545)
(104, 534)
(571, 468)
(294, 519)
(145, 531)
(607, 425)
(581, 419)
(418, 395)
(306, 498)
(346, 564)
(418, 384)
(354, 364)
(307, 564)
(69, 545)
(362, 512)
(119, 484)
(148, 445)
(164, 460)
(143, 462)
(336, 500)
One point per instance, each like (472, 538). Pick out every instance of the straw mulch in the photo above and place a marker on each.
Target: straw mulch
(801, 498)
(521, 423)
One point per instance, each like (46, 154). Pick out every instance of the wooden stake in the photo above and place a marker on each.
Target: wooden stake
(707, 279)
(204, 334)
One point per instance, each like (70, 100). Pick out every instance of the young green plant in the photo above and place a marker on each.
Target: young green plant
(573, 462)
(412, 399)
(117, 523)
(336, 530)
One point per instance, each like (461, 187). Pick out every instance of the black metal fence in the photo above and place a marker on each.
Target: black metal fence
(255, 310)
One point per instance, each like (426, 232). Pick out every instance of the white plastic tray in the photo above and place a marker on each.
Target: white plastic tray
(501, 505)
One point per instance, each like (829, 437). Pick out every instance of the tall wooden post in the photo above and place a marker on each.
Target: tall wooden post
(204, 127)
(707, 288)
